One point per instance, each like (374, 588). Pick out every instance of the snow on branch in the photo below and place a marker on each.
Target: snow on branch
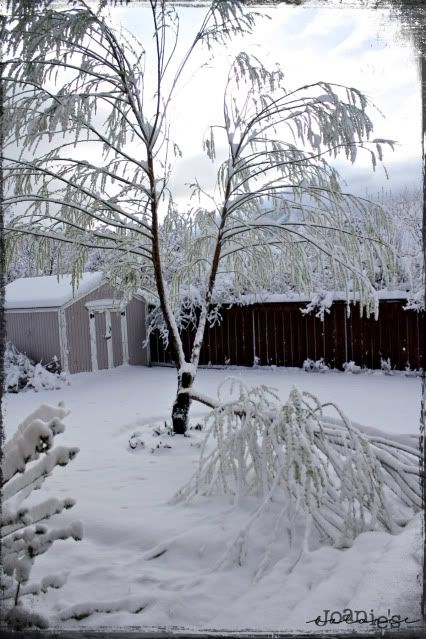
(326, 469)
(33, 436)
(28, 459)
(282, 198)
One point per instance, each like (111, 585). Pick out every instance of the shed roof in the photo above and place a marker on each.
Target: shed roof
(48, 291)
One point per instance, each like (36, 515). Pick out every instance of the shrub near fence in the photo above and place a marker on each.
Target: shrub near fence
(279, 334)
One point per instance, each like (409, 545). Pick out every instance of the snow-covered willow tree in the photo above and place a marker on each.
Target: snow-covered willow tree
(405, 207)
(88, 156)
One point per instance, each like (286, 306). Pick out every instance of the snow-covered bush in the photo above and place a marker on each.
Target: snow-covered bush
(325, 470)
(21, 372)
(17, 368)
(386, 366)
(315, 366)
(409, 372)
(351, 367)
(28, 458)
(157, 440)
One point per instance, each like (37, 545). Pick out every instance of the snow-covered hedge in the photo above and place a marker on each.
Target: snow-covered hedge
(22, 373)
(28, 458)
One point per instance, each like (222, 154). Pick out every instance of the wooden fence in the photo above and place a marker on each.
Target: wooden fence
(278, 333)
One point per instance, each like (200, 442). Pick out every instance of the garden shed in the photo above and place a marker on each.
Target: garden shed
(87, 329)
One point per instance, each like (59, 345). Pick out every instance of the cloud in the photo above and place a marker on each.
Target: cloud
(194, 167)
(354, 46)
(400, 175)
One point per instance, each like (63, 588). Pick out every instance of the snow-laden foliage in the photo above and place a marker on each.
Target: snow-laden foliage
(321, 302)
(327, 470)
(27, 460)
(74, 84)
(158, 439)
(33, 258)
(351, 367)
(21, 373)
(315, 366)
(386, 366)
(405, 208)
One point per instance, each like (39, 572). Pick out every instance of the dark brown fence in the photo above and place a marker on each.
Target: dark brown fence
(278, 333)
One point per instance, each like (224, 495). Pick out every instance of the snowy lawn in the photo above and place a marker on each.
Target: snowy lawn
(146, 563)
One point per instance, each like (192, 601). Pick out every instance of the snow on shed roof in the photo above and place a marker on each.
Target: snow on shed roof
(47, 291)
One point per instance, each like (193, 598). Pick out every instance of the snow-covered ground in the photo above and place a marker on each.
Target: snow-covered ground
(147, 563)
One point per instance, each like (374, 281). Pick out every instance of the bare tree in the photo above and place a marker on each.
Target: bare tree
(76, 87)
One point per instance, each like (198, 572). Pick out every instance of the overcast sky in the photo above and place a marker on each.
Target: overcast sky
(355, 47)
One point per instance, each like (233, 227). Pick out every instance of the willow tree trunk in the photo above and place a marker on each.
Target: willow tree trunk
(182, 403)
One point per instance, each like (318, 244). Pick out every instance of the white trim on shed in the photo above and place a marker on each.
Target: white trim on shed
(107, 306)
(63, 340)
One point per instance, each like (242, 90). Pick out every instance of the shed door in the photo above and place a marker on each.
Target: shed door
(117, 341)
(107, 338)
(101, 341)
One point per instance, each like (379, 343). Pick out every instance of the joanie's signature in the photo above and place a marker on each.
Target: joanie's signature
(349, 616)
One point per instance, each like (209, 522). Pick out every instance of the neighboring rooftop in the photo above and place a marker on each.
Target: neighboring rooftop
(48, 291)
